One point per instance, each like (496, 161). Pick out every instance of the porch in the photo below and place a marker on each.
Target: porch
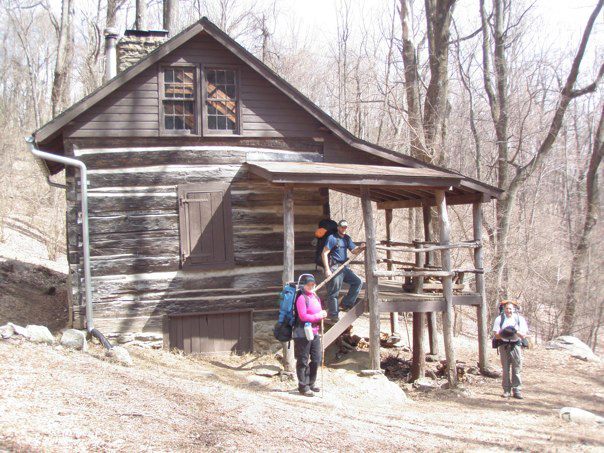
(393, 188)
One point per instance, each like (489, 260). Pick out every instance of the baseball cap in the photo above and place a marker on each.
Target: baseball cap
(342, 223)
(307, 279)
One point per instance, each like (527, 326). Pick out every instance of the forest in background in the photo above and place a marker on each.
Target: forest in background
(476, 86)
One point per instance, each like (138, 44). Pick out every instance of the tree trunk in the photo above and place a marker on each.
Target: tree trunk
(141, 15)
(170, 15)
(579, 267)
(61, 80)
(438, 19)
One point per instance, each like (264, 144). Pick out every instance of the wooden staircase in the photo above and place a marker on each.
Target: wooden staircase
(344, 323)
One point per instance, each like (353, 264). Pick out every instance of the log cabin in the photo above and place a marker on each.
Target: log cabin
(207, 175)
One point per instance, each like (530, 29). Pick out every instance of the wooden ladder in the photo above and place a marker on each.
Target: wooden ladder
(344, 323)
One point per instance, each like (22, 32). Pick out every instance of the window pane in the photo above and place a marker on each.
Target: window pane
(211, 76)
(230, 77)
(178, 122)
(188, 108)
(168, 75)
(230, 91)
(212, 122)
(230, 124)
(188, 76)
(211, 109)
(189, 122)
(221, 122)
(221, 77)
(169, 122)
(178, 76)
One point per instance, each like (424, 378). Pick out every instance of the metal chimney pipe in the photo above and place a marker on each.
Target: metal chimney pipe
(111, 36)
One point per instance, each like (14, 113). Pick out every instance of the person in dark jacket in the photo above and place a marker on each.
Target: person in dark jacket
(308, 307)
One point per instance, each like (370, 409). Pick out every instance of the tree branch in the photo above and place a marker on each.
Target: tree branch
(589, 88)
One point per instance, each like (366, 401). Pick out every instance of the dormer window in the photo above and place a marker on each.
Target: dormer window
(221, 101)
(178, 100)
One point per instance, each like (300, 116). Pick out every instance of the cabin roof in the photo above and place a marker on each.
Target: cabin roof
(54, 128)
(390, 186)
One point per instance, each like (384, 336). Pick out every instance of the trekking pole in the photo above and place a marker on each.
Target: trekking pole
(337, 271)
(322, 361)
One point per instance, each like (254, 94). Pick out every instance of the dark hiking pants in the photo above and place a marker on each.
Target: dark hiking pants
(303, 351)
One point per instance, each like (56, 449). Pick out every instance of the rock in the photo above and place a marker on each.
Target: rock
(119, 355)
(7, 331)
(574, 346)
(369, 373)
(19, 330)
(574, 414)
(125, 338)
(425, 384)
(74, 339)
(148, 336)
(491, 373)
(473, 370)
(39, 334)
(267, 370)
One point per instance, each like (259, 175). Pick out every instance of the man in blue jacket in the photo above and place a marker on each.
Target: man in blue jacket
(335, 253)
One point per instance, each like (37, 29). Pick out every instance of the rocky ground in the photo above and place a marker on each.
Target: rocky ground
(54, 399)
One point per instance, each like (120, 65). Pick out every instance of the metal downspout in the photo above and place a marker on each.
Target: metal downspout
(85, 235)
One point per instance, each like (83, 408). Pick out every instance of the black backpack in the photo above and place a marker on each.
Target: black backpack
(327, 227)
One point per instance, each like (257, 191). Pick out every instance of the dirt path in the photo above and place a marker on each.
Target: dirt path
(58, 400)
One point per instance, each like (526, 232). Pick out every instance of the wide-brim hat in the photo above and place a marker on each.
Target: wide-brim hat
(508, 332)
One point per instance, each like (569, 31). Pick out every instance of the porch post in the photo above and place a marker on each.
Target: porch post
(445, 233)
(483, 357)
(395, 328)
(371, 281)
(432, 327)
(288, 266)
(418, 363)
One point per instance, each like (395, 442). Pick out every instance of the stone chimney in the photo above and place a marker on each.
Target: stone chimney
(136, 44)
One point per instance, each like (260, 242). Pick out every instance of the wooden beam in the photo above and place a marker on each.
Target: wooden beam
(467, 299)
(416, 306)
(371, 280)
(426, 273)
(431, 317)
(430, 248)
(445, 234)
(483, 356)
(419, 356)
(288, 265)
(395, 329)
(419, 203)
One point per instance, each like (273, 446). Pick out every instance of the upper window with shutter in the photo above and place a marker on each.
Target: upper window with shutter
(206, 233)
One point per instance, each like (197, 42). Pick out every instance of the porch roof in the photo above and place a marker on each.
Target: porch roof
(391, 186)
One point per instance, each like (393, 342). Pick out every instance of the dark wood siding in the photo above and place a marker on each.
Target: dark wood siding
(133, 110)
(211, 332)
(135, 240)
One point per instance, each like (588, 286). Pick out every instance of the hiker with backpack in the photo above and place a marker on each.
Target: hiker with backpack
(307, 341)
(334, 254)
(510, 330)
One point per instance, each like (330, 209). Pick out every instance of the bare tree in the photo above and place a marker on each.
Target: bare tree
(498, 103)
(61, 87)
(578, 272)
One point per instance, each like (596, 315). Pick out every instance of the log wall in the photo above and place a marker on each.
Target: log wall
(135, 242)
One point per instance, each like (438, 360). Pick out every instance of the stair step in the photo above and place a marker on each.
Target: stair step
(344, 323)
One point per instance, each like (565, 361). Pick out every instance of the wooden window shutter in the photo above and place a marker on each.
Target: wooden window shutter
(206, 233)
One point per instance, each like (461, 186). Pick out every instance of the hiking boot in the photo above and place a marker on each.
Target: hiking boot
(315, 388)
(306, 392)
(518, 395)
(333, 319)
(506, 394)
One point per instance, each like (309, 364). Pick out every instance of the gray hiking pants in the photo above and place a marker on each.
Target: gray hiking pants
(511, 359)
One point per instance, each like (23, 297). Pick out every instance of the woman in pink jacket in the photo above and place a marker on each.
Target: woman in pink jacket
(308, 307)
